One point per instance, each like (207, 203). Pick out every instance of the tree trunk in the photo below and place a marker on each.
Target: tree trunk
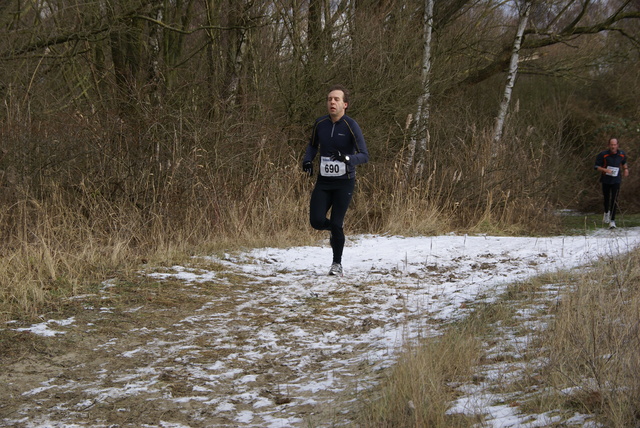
(233, 47)
(177, 14)
(511, 77)
(316, 46)
(419, 141)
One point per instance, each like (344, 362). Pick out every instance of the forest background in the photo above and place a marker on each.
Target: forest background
(139, 131)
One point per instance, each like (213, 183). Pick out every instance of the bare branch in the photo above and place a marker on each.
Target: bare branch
(578, 18)
(200, 28)
(53, 41)
(90, 34)
(501, 60)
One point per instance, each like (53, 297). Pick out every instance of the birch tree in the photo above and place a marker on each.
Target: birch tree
(564, 26)
(420, 130)
(512, 73)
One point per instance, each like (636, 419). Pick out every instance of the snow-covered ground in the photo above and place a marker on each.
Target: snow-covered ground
(286, 345)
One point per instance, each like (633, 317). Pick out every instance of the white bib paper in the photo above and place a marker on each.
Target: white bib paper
(329, 168)
(614, 171)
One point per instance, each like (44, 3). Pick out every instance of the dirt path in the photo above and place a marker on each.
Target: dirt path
(233, 350)
(262, 339)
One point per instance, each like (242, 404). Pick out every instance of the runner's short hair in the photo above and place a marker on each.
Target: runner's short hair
(344, 90)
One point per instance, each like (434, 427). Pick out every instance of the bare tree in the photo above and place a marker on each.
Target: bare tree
(512, 73)
(562, 27)
(419, 140)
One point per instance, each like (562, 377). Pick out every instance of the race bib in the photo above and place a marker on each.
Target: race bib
(331, 168)
(614, 171)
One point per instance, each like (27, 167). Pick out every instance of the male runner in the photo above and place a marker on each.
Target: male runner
(339, 140)
(612, 164)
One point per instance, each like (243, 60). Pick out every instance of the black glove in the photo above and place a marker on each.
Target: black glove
(307, 167)
(339, 156)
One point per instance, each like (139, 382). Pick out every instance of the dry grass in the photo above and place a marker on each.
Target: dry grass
(417, 392)
(593, 341)
(581, 356)
(63, 231)
(58, 250)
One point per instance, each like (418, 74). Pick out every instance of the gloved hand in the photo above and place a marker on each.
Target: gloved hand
(307, 167)
(339, 156)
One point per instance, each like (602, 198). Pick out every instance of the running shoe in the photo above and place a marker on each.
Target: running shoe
(606, 218)
(336, 269)
(612, 224)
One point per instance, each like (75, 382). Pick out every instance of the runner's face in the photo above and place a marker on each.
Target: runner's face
(335, 104)
(613, 145)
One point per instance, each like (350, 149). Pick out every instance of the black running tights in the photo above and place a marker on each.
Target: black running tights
(610, 192)
(335, 195)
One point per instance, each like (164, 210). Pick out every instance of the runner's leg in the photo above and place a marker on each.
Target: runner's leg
(606, 192)
(319, 206)
(615, 190)
(340, 203)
